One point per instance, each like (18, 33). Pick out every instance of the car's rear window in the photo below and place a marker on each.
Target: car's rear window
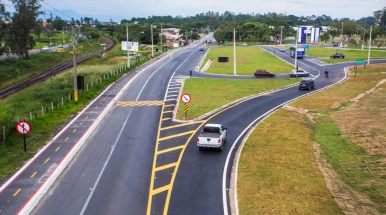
(212, 129)
(305, 82)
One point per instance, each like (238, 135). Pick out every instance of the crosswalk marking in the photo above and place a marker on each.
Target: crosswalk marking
(140, 103)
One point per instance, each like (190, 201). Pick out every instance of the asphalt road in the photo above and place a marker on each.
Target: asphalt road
(138, 161)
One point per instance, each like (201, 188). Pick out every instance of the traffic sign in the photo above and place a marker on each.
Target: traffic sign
(185, 98)
(23, 127)
(360, 61)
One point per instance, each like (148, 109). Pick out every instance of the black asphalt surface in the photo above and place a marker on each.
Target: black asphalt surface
(138, 161)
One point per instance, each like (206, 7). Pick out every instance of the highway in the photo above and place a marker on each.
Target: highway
(139, 161)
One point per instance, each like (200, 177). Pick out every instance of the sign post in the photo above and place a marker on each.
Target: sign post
(23, 128)
(358, 62)
(185, 98)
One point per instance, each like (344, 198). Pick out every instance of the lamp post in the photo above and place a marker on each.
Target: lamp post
(234, 51)
(127, 45)
(152, 48)
(341, 43)
(63, 35)
(161, 38)
(74, 62)
(296, 52)
(368, 56)
(281, 34)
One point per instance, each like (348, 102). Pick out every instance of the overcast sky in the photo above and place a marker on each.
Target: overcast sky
(103, 10)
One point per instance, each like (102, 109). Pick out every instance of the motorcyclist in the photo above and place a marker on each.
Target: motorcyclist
(326, 72)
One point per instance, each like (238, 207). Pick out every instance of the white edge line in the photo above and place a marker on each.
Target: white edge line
(27, 209)
(225, 205)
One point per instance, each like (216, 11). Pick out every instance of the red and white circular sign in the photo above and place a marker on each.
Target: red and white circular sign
(23, 127)
(185, 98)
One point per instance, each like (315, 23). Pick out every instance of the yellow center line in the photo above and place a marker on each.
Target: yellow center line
(165, 119)
(17, 192)
(180, 125)
(57, 149)
(46, 160)
(170, 105)
(33, 174)
(176, 135)
(66, 138)
(81, 123)
(74, 130)
(168, 111)
(160, 190)
(96, 107)
(100, 102)
(87, 116)
(165, 167)
(170, 149)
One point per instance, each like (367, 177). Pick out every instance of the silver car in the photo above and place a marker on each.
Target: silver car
(299, 73)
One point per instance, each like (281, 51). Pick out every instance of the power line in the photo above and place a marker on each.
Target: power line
(56, 10)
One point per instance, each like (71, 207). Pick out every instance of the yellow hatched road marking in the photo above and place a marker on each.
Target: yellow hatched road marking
(160, 190)
(33, 174)
(170, 105)
(180, 125)
(140, 103)
(165, 119)
(176, 135)
(168, 111)
(46, 160)
(165, 167)
(17, 192)
(170, 149)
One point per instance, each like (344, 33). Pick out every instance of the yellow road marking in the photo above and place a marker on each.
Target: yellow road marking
(160, 190)
(46, 160)
(100, 102)
(140, 103)
(33, 174)
(87, 116)
(170, 105)
(17, 192)
(96, 107)
(165, 166)
(168, 111)
(66, 138)
(57, 149)
(165, 119)
(74, 130)
(170, 149)
(81, 123)
(176, 135)
(180, 125)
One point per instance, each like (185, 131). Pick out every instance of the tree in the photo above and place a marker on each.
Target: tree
(325, 37)
(23, 21)
(4, 27)
(380, 18)
(58, 24)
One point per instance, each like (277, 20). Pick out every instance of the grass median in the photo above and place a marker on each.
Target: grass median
(350, 55)
(278, 173)
(209, 94)
(249, 59)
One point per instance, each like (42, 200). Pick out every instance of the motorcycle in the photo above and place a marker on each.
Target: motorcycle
(326, 74)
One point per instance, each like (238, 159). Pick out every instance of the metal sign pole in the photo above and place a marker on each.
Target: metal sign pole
(25, 145)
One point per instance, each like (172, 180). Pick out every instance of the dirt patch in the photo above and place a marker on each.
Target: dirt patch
(118, 60)
(301, 111)
(350, 201)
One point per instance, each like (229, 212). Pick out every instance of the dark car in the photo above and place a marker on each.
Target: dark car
(263, 73)
(307, 84)
(202, 49)
(337, 55)
(335, 44)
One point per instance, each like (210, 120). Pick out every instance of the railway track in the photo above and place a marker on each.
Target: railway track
(54, 70)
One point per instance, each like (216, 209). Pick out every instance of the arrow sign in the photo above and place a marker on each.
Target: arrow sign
(185, 98)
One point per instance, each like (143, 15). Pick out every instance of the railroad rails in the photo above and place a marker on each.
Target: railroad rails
(54, 70)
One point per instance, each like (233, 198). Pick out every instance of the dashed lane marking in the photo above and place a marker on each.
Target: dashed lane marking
(181, 125)
(170, 149)
(86, 117)
(74, 130)
(140, 103)
(165, 166)
(81, 123)
(46, 160)
(67, 139)
(57, 149)
(176, 135)
(33, 174)
(17, 192)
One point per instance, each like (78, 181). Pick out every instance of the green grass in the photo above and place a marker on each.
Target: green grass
(350, 55)
(56, 37)
(32, 99)
(223, 91)
(249, 59)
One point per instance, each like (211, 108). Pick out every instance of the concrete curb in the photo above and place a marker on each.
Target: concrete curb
(202, 60)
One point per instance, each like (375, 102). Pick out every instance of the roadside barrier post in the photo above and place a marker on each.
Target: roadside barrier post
(30, 115)
(4, 132)
(87, 87)
(52, 105)
(69, 97)
(62, 101)
(100, 80)
(42, 111)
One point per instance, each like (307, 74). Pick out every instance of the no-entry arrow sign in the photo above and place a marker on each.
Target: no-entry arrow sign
(23, 127)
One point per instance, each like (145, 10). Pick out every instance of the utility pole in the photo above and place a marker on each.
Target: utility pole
(296, 52)
(281, 34)
(161, 39)
(368, 57)
(234, 51)
(127, 45)
(341, 44)
(63, 36)
(363, 41)
(74, 59)
(152, 48)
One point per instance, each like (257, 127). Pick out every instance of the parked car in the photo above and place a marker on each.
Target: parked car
(45, 48)
(299, 73)
(307, 84)
(244, 44)
(263, 73)
(337, 55)
(282, 49)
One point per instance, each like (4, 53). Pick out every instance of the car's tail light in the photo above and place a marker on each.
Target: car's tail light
(219, 140)
(198, 140)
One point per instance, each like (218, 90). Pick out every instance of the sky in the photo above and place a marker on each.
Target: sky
(117, 10)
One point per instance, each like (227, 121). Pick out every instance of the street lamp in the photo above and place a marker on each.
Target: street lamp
(281, 34)
(234, 51)
(341, 43)
(152, 48)
(368, 54)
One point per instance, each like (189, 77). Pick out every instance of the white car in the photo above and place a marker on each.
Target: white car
(45, 48)
(244, 44)
(212, 136)
(299, 73)
(282, 49)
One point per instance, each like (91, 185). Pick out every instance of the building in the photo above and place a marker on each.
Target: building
(309, 34)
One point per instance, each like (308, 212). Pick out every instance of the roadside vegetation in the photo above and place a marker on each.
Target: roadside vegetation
(337, 134)
(249, 59)
(350, 55)
(202, 102)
